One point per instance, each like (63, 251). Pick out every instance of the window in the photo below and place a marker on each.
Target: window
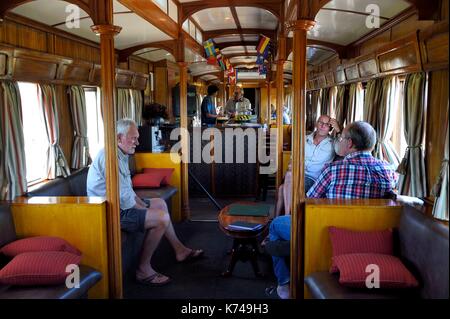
(173, 11)
(186, 25)
(34, 132)
(162, 4)
(192, 29)
(398, 136)
(94, 121)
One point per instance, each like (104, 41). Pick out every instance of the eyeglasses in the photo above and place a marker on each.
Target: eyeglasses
(323, 124)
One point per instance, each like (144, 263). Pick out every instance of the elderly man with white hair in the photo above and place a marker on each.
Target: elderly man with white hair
(146, 215)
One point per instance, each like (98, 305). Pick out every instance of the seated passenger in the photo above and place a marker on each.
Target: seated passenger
(319, 150)
(149, 216)
(358, 175)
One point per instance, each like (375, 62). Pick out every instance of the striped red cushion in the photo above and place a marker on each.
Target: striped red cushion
(167, 172)
(39, 243)
(344, 241)
(354, 271)
(38, 268)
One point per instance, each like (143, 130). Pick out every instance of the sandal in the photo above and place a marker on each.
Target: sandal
(193, 255)
(153, 280)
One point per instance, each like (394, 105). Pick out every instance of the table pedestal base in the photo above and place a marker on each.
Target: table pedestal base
(244, 249)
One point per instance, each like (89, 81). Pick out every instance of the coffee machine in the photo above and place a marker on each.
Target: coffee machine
(150, 139)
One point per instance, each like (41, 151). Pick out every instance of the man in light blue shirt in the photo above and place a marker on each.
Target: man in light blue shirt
(150, 216)
(319, 149)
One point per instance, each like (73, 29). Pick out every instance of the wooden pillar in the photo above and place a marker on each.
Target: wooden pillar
(186, 212)
(224, 90)
(280, 104)
(299, 28)
(107, 33)
(268, 110)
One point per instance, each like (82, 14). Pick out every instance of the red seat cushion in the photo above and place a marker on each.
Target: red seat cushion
(344, 241)
(354, 271)
(38, 268)
(39, 243)
(147, 180)
(166, 171)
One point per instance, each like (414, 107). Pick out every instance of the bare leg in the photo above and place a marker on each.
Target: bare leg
(287, 193)
(181, 251)
(156, 222)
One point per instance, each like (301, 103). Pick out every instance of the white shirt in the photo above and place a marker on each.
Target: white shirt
(238, 106)
(96, 179)
(316, 156)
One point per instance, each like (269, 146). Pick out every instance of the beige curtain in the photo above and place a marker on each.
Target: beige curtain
(341, 106)
(389, 102)
(137, 105)
(440, 188)
(13, 175)
(371, 101)
(413, 179)
(325, 101)
(56, 162)
(355, 103)
(123, 104)
(80, 150)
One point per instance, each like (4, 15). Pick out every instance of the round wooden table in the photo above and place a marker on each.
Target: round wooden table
(245, 244)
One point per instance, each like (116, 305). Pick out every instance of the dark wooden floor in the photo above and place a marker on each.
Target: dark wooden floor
(202, 279)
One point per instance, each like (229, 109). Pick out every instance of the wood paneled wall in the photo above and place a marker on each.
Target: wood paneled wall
(24, 33)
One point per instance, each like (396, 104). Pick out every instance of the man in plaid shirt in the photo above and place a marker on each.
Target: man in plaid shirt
(358, 175)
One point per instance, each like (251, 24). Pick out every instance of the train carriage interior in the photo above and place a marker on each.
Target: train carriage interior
(226, 99)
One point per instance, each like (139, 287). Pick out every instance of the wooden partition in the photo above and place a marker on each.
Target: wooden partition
(164, 160)
(354, 214)
(79, 220)
(286, 158)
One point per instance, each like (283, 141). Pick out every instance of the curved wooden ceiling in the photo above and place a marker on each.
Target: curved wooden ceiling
(233, 24)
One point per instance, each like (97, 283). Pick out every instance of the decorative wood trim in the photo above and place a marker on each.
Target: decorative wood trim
(434, 46)
(400, 56)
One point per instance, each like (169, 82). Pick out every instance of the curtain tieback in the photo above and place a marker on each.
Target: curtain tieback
(413, 147)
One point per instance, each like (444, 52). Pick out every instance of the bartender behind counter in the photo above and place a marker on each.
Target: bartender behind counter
(238, 103)
(209, 114)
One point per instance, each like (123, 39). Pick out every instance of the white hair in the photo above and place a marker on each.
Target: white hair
(123, 126)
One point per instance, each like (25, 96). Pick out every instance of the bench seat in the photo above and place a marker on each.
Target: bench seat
(323, 285)
(423, 246)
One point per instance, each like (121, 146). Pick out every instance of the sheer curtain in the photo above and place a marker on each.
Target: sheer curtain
(355, 103)
(56, 162)
(137, 106)
(123, 104)
(389, 102)
(341, 105)
(13, 181)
